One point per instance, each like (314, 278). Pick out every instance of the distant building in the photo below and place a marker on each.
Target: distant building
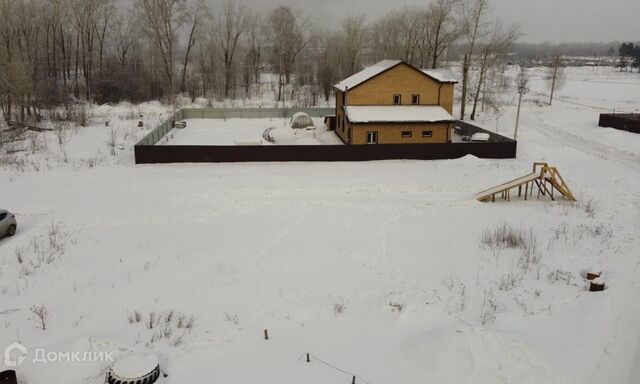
(393, 102)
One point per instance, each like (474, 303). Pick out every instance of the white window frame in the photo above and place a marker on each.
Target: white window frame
(372, 137)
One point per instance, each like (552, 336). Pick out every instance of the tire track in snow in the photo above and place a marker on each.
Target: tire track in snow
(544, 125)
(262, 255)
(263, 283)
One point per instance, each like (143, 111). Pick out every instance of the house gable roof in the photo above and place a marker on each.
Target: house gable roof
(385, 65)
(366, 74)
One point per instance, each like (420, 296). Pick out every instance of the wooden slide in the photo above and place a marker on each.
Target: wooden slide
(544, 178)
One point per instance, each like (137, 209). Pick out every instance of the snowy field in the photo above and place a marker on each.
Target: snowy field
(386, 270)
(249, 132)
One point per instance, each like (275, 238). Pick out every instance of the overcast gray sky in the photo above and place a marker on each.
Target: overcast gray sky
(541, 20)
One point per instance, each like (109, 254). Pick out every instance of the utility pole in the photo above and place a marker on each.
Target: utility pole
(515, 134)
(556, 64)
(522, 82)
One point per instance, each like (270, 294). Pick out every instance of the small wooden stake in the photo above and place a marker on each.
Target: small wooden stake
(266, 334)
(354, 380)
(308, 359)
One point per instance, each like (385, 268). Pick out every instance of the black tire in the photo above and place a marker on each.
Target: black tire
(12, 230)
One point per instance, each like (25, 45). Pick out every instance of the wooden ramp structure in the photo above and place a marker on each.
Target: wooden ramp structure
(544, 178)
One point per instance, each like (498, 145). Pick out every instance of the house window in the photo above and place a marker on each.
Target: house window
(415, 99)
(427, 133)
(397, 99)
(407, 134)
(372, 137)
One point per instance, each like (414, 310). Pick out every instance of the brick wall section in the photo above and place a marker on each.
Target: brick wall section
(405, 81)
(392, 133)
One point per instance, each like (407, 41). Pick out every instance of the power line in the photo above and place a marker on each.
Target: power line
(356, 377)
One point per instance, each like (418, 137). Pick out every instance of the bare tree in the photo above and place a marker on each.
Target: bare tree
(490, 54)
(386, 37)
(474, 28)
(106, 12)
(125, 33)
(443, 28)
(413, 31)
(86, 14)
(255, 44)
(20, 32)
(160, 20)
(289, 36)
(195, 13)
(232, 24)
(422, 47)
(330, 47)
(353, 28)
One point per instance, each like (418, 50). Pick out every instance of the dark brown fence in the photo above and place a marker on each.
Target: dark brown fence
(146, 152)
(240, 153)
(626, 122)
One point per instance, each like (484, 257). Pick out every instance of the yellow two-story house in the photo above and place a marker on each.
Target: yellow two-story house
(393, 102)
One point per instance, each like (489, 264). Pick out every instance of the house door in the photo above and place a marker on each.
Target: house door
(372, 137)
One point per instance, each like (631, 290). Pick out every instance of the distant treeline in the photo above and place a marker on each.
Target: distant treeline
(55, 52)
(533, 51)
(629, 56)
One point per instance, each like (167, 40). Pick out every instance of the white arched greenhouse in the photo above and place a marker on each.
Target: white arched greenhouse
(301, 120)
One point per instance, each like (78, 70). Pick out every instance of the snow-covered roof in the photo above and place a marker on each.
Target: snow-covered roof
(299, 115)
(366, 74)
(134, 367)
(398, 113)
(442, 75)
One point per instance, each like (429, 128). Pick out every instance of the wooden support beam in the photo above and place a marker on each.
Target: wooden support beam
(547, 191)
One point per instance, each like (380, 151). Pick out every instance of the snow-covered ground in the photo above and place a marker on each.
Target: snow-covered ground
(385, 270)
(249, 132)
